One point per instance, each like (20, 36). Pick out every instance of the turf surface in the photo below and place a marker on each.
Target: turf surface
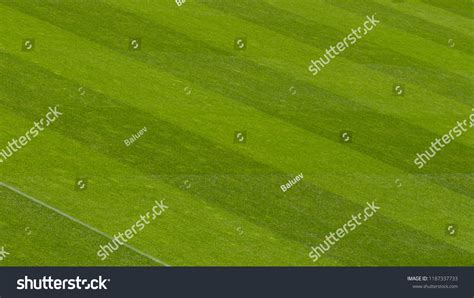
(193, 90)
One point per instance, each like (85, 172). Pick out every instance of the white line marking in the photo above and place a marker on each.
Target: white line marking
(81, 223)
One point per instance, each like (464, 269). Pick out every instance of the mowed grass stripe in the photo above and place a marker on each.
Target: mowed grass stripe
(271, 97)
(461, 183)
(273, 18)
(242, 87)
(192, 232)
(302, 227)
(276, 92)
(403, 68)
(248, 183)
(334, 79)
(37, 236)
(408, 23)
(433, 14)
(316, 166)
(463, 7)
(336, 208)
(453, 91)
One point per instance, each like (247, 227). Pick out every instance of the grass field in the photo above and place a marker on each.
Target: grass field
(194, 90)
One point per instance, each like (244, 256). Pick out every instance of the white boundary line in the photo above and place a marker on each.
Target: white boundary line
(81, 223)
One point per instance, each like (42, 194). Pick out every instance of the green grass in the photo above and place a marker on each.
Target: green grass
(234, 212)
(31, 233)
